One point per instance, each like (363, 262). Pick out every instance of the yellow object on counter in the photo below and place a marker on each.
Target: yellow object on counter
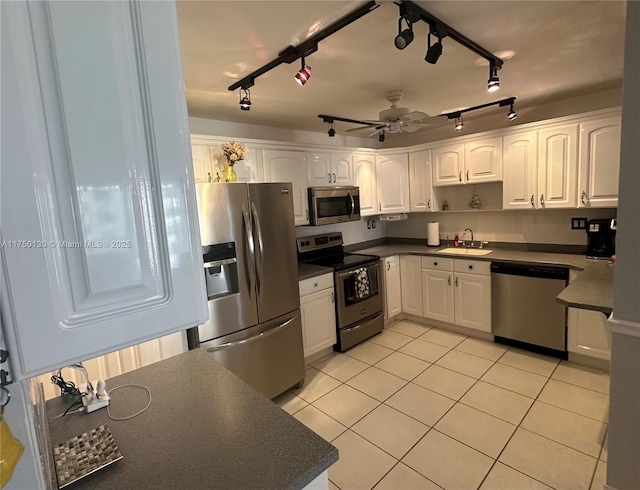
(11, 450)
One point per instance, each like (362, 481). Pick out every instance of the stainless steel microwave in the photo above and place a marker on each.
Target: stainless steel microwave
(334, 204)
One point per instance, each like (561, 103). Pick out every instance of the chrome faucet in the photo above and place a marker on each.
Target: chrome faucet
(464, 234)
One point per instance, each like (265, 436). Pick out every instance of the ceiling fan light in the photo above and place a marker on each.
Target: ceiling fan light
(245, 99)
(459, 123)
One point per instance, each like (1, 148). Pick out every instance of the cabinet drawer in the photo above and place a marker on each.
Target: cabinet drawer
(438, 263)
(313, 284)
(472, 266)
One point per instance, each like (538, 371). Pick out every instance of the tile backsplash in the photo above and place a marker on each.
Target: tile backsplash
(551, 226)
(352, 232)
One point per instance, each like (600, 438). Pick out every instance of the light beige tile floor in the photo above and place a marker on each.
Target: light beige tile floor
(422, 408)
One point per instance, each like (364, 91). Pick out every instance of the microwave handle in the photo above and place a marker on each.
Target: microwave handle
(353, 205)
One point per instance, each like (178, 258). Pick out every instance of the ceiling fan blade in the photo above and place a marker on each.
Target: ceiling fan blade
(360, 128)
(411, 128)
(414, 116)
(433, 120)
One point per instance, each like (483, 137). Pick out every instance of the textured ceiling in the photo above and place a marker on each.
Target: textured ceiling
(551, 50)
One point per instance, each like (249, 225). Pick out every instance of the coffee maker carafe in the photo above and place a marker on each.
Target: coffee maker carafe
(601, 238)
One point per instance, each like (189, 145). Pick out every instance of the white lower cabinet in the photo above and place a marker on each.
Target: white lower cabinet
(437, 295)
(588, 333)
(392, 295)
(452, 296)
(318, 317)
(411, 284)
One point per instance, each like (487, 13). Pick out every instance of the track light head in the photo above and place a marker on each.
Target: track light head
(332, 131)
(433, 50)
(494, 81)
(381, 136)
(405, 36)
(459, 122)
(245, 99)
(304, 74)
(512, 114)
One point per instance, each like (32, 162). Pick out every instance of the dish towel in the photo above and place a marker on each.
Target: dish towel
(362, 283)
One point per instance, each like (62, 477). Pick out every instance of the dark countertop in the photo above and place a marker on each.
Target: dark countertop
(591, 290)
(307, 271)
(205, 428)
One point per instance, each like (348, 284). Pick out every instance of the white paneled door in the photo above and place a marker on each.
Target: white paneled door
(411, 284)
(557, 166)
(290, 166)
(483, 160)
(421, 196)
(392, 174)
(520, 176)
(473, 301)
(393, 297)
(437, 295)
(448, 163)
(364, 176)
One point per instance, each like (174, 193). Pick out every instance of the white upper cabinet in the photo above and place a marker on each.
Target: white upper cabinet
(392, 174)
(558, 166)
(599, 162)
(324, 169)
(520, 152)
(202, 167)
(483, 160)
(290, 166)
(104, 252)
(448, 164)
(421, 196)
(319, 169)
(364, 176)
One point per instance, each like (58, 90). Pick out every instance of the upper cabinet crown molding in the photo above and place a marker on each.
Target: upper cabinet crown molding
(106, 250)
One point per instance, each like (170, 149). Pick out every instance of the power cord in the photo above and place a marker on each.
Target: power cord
(135, 414)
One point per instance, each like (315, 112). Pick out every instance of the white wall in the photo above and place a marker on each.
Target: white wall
(352, 232)
(552, 226)
(477, 122)
(226, 129)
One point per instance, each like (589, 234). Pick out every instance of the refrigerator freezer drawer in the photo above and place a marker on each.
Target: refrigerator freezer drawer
(269, 357)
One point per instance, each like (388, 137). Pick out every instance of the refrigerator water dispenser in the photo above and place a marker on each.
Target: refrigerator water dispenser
(220, 270)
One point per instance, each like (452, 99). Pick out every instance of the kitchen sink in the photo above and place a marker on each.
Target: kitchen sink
(465, 251)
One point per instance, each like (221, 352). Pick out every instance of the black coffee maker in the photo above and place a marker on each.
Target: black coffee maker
(601, 238)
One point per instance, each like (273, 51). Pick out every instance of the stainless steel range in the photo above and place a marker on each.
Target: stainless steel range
(357, 283)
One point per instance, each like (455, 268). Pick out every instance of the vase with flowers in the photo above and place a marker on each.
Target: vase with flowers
(233, 153)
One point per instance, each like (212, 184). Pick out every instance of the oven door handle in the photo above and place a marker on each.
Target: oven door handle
(342, 275)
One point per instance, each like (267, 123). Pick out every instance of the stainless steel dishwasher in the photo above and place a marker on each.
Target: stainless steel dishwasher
(524, 307)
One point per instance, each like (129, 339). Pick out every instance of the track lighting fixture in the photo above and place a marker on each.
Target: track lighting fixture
(459, 122)
(512, 114)
(404, 37)
(332, 131)
(381, 136)
(494, 81)
(433, 50)
(304, 74)
(245, 99)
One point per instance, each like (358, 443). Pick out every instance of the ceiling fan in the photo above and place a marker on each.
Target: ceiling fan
(393, 120)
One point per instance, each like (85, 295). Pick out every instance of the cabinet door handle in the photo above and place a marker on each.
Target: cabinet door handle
(583, 198)
(388, 266)
(435, 263)
(380, 207)
(542, 200)
(456, 282)
(533, 204)
(449, 280)
(334, 178)
(460, 176)
(333, 297)
(429, 203)
(470, 267)
(329, 178)
(467, 176)
(306, 213)
(209, 176)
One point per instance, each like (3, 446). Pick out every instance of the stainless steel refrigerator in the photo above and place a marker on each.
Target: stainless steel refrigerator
(251, 271)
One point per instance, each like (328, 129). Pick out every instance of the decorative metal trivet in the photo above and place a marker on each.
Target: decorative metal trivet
(84, 454)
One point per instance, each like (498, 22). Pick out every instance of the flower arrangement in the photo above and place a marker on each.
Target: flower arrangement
(234, 152)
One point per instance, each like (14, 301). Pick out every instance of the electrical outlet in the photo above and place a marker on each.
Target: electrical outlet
(578, 223)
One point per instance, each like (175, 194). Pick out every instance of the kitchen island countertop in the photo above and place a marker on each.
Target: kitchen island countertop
(591, 290)
(205, 428)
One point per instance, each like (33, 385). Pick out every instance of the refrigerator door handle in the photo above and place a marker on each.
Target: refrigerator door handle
(247, 226)
(256, 220)
(251, 339)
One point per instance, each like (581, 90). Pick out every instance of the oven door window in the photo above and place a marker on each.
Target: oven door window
(360, 284)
